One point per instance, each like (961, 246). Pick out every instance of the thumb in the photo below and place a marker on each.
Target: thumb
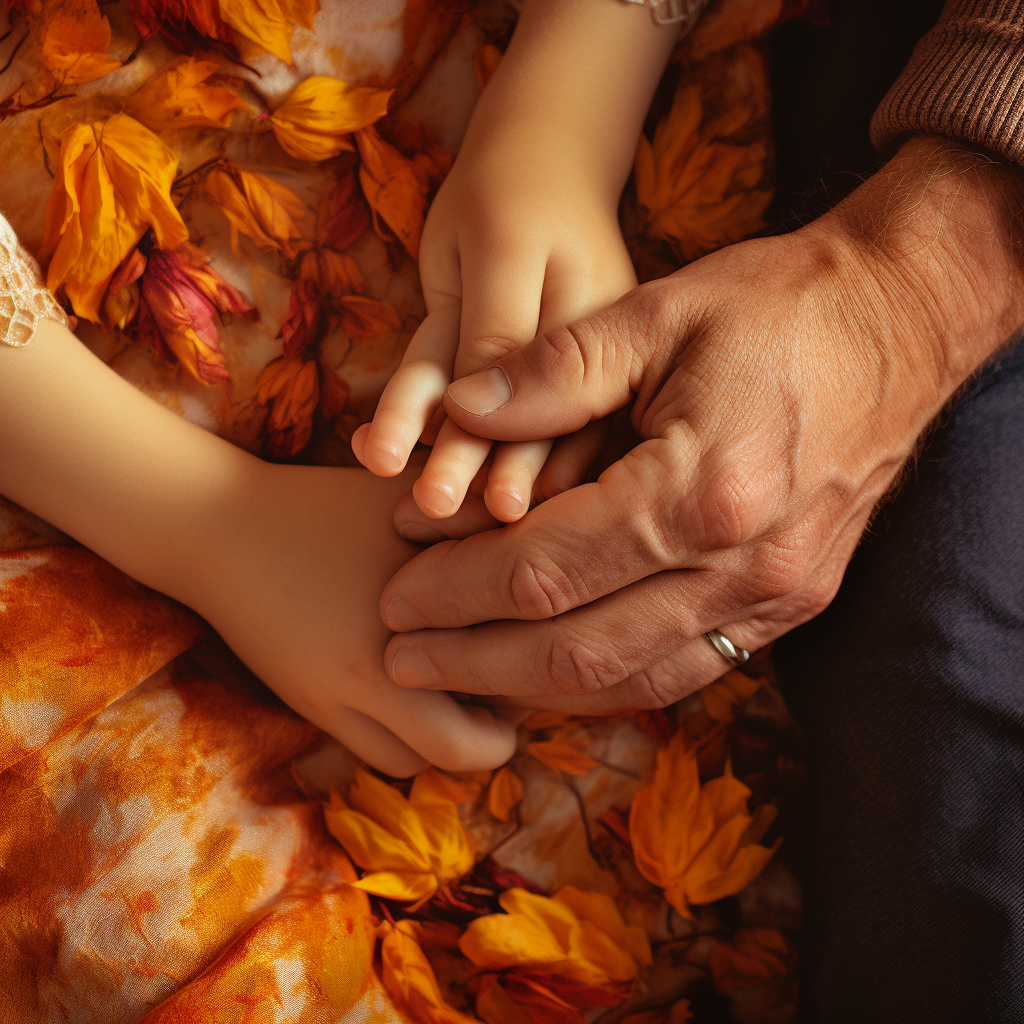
(561, 380)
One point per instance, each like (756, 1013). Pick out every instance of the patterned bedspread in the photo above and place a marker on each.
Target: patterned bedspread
(228, 195)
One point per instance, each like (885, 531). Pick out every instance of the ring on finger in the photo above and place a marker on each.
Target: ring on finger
(726, 648)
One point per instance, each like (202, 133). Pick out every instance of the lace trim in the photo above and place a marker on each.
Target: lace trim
(675, 12)
(24, 299)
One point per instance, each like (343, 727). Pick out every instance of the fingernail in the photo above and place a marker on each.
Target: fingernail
(482, 393)
(420, 534)
(388, 458)
(413, 668)
(400, 618)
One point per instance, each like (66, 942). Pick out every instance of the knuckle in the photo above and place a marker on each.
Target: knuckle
(456, 752)
(781, 564)
(584, 662)
(541, 591)
(732, 507)
(483, 351)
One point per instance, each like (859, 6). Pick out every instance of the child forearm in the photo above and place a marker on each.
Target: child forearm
(131, 480)
(586, 69)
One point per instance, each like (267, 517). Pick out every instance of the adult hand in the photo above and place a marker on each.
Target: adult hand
(780, 385)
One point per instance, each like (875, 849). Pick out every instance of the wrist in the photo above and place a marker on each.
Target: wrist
(931, 248)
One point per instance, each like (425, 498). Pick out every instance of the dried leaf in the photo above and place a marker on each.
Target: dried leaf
(343, 216)
(434, 784)
(113, 183)
(291, 389)
(396, 193)
(269, 22)
(189, 93)
(410, 981)
(181, 299)
(504, 793)
(693, 840)
(184, 21)
(317, 119)
(73, 41)
(269, 213)
(722, 697)
(754, 955)
(409, 847)
(562, 757)
(362, 317)
(698, 189)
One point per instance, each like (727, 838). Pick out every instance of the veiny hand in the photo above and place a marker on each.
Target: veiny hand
(294, 589)
(522, 238)
(780, 385)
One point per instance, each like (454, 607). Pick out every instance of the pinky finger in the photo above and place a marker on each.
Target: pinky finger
(511, 479)
(377, 745)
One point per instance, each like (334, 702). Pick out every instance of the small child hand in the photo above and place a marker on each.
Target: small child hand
(523, 237)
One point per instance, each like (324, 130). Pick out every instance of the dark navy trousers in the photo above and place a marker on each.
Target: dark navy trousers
(910, 692)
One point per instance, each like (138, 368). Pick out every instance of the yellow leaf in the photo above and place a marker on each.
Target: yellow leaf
(694, 841)
(433, 784)
(269, 22)
(189, 93)
(410, 981)
(549, 935)
(562, 757)
(398, 885)
(397, 195)
(73, 41)
(316, 120)
(269, 213)
(504, 793)
(113, 183)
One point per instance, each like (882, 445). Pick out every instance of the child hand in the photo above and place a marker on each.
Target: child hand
(523, 237)
(294, 592)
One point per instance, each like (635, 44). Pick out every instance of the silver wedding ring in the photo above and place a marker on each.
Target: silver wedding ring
(726, 648)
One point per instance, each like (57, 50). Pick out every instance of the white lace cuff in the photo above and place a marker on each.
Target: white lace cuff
(675, 12)
(24, 299)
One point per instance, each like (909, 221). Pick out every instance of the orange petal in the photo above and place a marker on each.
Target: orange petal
(562, 757)
(399, 885)
(189, 93)
(504, 793)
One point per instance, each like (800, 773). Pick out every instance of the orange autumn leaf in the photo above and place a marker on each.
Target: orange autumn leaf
(407, 847)
(291, 390)
(723, 696)
(363, 317)
(184, 21)
(396, 193)
(698, 843)
(113, 183)
(576, 935)
(504, 793)
(410, 981)
(269, 22)
(316, 120)
(562, 757)
(269, 213)
(343, 216)
(182, 299)
(697, 189)
(754, 955)
(73, 41)
(432, 784)
(340, 283)
(189, 93)
(532, 1003)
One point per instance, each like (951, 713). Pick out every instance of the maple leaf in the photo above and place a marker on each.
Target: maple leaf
(397, 195)
(343, 215)
(410, 980)
(722, 697)
(113, 183)
(269, 213)
(181, 297)
(408, 847)
(575, 936)
(73, 41)
(562, 757)
(317, 119)
(186, 22)
(697, 189)
(754, 955)
(269, 22)
(504, 793)
(189, 93)
(698, 843)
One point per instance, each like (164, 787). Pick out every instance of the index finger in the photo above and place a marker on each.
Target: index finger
(567, 552)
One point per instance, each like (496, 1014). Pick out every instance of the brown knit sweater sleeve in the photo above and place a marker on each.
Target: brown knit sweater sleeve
(965, 81)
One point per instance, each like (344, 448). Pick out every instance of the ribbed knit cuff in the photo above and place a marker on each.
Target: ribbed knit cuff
(965, 80)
